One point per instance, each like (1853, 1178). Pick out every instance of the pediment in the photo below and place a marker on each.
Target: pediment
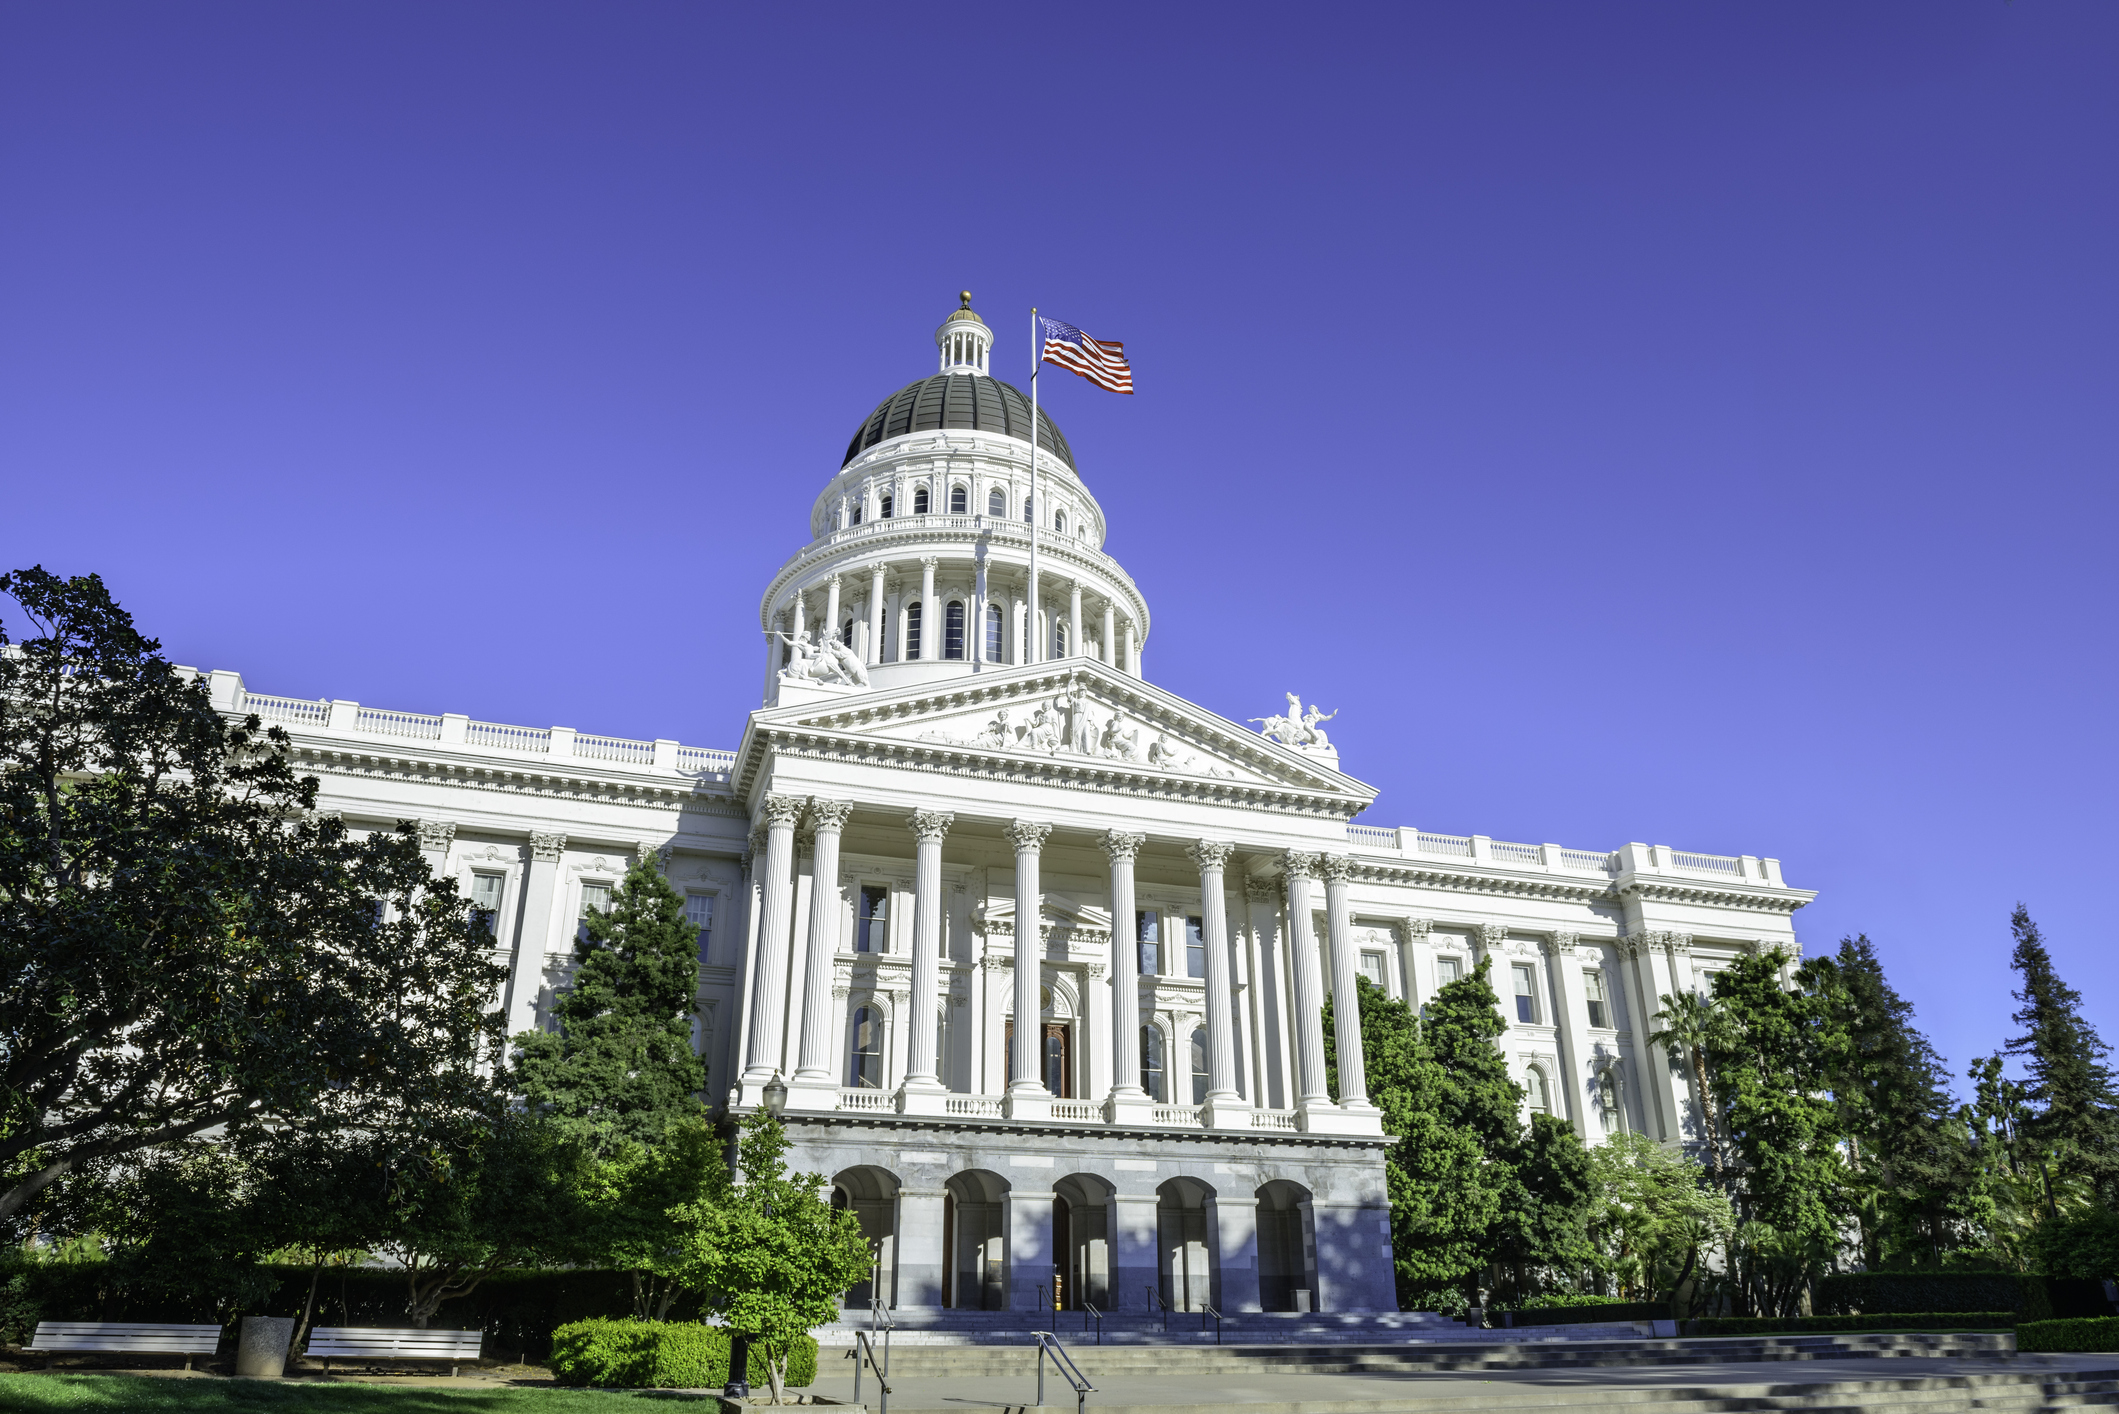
(1072, 716)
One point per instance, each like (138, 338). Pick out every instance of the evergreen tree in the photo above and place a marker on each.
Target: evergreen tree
(2070, 1087)
(621, 1067)
(1542, 1238)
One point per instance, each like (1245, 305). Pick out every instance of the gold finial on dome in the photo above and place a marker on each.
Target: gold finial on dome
(964, 313)
(965, 297)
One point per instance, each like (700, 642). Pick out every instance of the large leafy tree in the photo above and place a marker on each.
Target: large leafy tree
(770, 1254)
(185, 943)
(1652, 1216)
(1692, 1024)
(2069, 1085)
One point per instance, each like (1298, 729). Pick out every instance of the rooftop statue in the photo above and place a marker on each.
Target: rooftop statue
(1298, 728)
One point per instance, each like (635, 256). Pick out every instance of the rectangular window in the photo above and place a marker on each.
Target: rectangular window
(912, 632)
(1447, 970)
(1526, 992)
(1375, 968)
(872, 919)
(1593, 993)
(1148, 924)
(1195, 947)
(699, 912)
(594, 898)
(485, 899)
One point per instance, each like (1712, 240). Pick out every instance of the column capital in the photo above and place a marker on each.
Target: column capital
(928, 562)
(1123, 844)
(832, 579)
(1414, 929)
(1209, 854)
(930, 825)
(1300, 863)
(436, 834)
(655, 856)
(781, 810)
(829, 814)
(1492, 935)
(1027, 835)
(547, 847)
(1335, 868)
(1559, 942)
(1264, 889)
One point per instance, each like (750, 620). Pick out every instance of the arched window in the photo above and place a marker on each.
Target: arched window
(1199, 1065)
(919, 500)
(953, 631)
(959, 500)
(912, 631)
(1029, 511)
(1539, 1097)
(993, 633)
(858, 509)
(1059, 522)
(864, 1066)
(1059, 637)
(885, 512)
(996, 503)
(1151, 1063)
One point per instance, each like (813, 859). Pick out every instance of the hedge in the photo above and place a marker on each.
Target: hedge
(1586, 1315)
(1873, 1293)
(2092, 1333)
(1890, 1321)
(662, 1355)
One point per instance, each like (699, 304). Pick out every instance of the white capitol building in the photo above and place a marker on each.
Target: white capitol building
(954, 736)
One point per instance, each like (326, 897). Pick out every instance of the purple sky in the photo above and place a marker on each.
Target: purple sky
(1685, 424)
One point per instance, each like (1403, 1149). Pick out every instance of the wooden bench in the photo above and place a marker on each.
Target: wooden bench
(123, 1338)
(328, 1343)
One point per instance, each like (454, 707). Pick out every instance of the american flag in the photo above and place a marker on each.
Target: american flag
(1102, 363)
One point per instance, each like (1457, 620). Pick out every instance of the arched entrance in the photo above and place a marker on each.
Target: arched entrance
(1184, 1243)
(975, 1242)
(1081, 1242)
(1287, 1250)
(871, 1194)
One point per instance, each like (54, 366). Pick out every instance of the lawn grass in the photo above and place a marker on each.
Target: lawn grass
(71, 1392)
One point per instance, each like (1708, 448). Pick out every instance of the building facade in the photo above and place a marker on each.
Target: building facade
(1040, 951)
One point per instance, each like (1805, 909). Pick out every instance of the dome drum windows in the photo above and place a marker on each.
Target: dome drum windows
(953, 631)
(959, 499)
(919, 501)
(996, 502)
(888, 505)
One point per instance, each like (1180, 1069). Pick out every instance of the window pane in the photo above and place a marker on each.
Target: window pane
(1526, 994)
(1374, 968)
(1199, 1066)
(1195, 947)
(865, 1066)
(1149, 925)
(871, 915)
(594, 898)
(912, 631)
(699, 912)
(1151, 1062)
(996, 504)
(919, 501)
(953, 631)
(485, 891)
(993, 633)
(1448, 969)
(958, 500)
(886, 508)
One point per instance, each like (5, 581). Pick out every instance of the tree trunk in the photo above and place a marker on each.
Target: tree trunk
(301, 1330)
(776, 1373)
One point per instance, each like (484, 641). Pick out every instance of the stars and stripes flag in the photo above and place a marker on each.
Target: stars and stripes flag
(1100, 361)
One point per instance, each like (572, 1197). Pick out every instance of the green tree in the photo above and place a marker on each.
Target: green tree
(177, 1222)
(1542, 1236)
(1692, 1024)
(1652, 1216)
(620, 1065)
(187, 944)
(2070, 1088)
(636, 1199)
(771, 1256)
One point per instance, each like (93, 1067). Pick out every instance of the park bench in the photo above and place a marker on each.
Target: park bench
(328, 1343)
(123, 1338)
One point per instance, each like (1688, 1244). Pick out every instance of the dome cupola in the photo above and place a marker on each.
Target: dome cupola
(964, 340)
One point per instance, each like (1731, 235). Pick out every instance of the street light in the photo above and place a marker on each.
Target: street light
(775, 1095)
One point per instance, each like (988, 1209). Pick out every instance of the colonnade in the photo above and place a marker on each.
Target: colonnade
(815, 1086)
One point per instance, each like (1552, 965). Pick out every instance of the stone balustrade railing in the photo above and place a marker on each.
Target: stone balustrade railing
(349, 719)
(1551, 858)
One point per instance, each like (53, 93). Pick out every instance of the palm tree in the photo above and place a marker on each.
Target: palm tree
(1694, 1023)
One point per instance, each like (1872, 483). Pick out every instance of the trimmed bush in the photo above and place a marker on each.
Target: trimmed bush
(1586, 1314)
(661, 1355)
(1891, 1321)
(2062, 1299)
(2090, 1333)
(1873, 1293)
(1567, 1299)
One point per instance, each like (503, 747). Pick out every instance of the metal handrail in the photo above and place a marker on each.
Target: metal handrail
(1155, 1298)
(1088, 1310)
(1206, 1309)
(879, 1318)
(864, 1353)
(1050, 1308)
(1064, 1363)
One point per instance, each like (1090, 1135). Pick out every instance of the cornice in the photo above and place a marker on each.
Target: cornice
(1504, 884)
(899, 1125)
(1670, 891)
(615, 787)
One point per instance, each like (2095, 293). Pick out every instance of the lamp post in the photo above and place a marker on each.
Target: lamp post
(774, 1101)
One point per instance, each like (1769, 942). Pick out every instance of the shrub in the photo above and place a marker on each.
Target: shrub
(2083, 1246)
(1890, 1321)
(661, 1355)
(2062, 1299)
(2089, 1333)
(1875, 1293)
(1567, 1299)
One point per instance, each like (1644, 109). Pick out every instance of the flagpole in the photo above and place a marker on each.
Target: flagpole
(1033, 628)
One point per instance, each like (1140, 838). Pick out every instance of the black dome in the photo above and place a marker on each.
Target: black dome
(966, 400)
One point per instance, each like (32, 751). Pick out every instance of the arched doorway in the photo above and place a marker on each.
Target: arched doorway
(975, 1242)
(1184, 1243)
(871, 1194)
(1081, 1242)
(1287, 1250)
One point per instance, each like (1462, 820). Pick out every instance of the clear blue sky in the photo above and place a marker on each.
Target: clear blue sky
(1678, 423)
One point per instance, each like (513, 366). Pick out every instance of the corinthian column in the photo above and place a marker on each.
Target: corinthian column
(1310, 1091)
(930, 616)
(1225, 1108)
(1121, 849)
(1346, 1001)
(768, 995)
(922, 1093)
(1027, 1096)
(813, 1067)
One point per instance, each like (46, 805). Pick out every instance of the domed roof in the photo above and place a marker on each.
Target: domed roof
(957, 400)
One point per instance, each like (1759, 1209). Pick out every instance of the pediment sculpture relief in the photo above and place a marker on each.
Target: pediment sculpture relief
(1071, 725)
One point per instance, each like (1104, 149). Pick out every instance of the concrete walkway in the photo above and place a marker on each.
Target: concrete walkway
(1861, 1383)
